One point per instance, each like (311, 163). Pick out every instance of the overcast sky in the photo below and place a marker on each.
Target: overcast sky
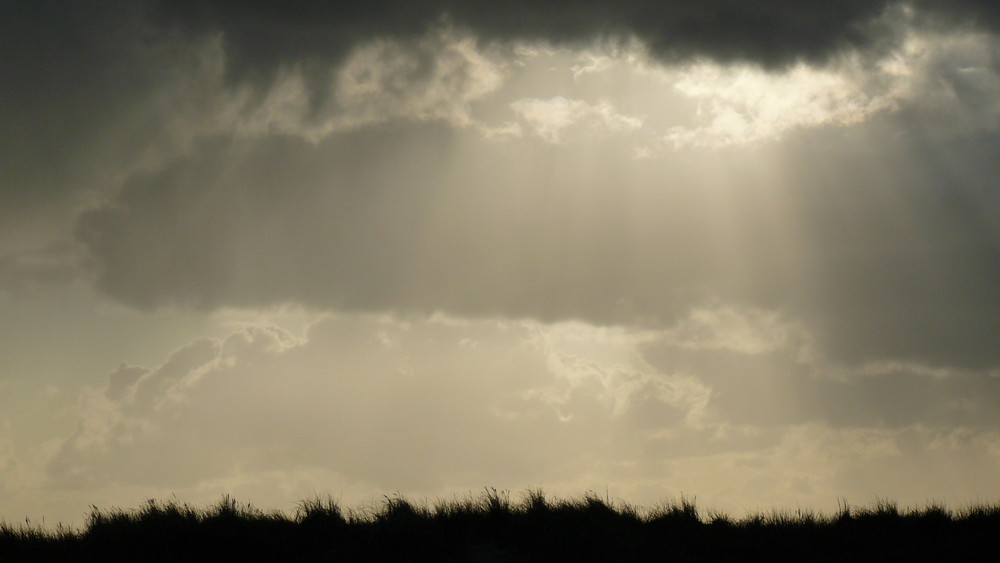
(744, 252)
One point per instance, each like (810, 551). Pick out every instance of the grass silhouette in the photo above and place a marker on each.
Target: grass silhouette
(491, 527)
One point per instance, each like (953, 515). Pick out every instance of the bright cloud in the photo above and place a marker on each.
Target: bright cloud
(558, 119)
(931, 72)
(433, 78)
(744, 105)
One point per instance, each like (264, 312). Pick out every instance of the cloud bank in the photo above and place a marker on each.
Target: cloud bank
(266, 34)
(441, 406)
(887, 259)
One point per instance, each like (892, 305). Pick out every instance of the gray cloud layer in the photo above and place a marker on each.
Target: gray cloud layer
(885, 259)
(773, 33)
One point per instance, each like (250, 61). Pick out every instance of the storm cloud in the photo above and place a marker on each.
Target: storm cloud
(264, 34)
(394, 221)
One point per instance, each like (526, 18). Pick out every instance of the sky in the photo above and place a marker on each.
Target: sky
(748, 253)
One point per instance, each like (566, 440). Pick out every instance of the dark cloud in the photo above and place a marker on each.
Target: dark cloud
(277, 211)
(776, 388)
(888, 258)
(70, 69)
(264, 34)
(91, 91)
(904, 248)
(413, 218)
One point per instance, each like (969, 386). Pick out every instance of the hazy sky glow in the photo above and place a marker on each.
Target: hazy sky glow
(749, 254)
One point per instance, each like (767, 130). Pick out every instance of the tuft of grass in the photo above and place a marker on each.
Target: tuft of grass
(320, 512)
(681, 512)
(980, 513)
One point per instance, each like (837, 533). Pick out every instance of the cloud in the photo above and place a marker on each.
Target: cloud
(881, 245)
(950, 79)
(271, 65)
(418, 405)
(760, 371)
(366, 405)
(375, 169)
(263, 35)
(87, 89)
(124, 68)
(944, 79)
(558, 119)
(435, 77)
(745, 105)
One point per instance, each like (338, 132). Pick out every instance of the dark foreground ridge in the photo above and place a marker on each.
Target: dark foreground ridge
(493, 528)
